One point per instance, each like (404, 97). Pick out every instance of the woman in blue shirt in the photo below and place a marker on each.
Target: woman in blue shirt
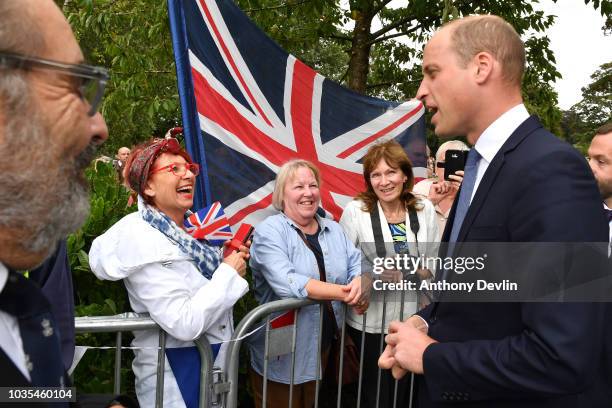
(289, 250)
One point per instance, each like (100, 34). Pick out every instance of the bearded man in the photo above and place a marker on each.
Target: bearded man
(49, 132)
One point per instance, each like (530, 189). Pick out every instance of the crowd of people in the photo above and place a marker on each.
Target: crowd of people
(520, 184)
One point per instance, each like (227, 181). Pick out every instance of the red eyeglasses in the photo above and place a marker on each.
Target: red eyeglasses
(179, 169)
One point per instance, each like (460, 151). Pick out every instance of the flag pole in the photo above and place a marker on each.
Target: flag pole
(191, 124)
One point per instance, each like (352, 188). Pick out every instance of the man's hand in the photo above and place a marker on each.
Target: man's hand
(440, 190)
(406, 343)
(456, 179)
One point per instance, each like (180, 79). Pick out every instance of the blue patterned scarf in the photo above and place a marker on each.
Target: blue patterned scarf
(207, 259)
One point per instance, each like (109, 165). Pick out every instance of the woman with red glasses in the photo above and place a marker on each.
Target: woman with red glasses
(184, 284)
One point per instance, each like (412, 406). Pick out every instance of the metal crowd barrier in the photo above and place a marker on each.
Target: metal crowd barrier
(133, 322)
(225, 387)
(263, 312)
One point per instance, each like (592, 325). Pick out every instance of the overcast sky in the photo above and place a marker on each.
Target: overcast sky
(579, 46)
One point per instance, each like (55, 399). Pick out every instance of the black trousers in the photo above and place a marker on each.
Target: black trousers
(369, 380)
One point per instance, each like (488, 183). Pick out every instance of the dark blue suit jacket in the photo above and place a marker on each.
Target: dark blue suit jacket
(536, 189)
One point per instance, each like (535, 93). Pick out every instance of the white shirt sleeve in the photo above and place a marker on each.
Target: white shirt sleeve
(171, 303)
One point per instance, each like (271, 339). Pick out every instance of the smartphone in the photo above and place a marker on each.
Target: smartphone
(244, 233)
(454, 160)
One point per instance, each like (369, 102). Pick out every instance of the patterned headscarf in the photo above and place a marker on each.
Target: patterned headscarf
(143, 159)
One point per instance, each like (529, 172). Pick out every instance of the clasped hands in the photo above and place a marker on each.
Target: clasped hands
(406, 343)
(354, 296)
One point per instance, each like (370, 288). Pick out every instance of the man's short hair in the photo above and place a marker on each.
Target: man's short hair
(17, 34)
(605, 129)
(450, 145)
(492, 34)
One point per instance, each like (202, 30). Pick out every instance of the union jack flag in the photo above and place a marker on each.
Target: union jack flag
(209, 223)
(248, 107)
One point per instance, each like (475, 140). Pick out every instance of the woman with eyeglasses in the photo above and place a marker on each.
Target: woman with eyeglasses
(183, 284)
(384, 221)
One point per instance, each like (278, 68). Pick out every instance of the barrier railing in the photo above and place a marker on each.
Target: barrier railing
(263, 313)
(133, 322)
(224, 385)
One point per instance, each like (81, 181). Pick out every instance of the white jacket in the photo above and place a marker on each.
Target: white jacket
(358, 227)
(163, 281)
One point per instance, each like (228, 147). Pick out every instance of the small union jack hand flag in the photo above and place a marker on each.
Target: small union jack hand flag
(209, 223)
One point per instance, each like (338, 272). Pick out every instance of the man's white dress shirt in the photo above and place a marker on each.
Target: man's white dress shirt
(10, 338)
(494, 137)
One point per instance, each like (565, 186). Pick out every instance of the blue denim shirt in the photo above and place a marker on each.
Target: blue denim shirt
(282, 265)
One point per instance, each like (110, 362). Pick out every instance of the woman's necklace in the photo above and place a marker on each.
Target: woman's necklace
(395, 216)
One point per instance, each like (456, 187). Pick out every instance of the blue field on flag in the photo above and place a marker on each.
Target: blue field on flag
(255, 106)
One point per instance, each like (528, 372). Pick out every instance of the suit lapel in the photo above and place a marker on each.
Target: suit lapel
(528, 126)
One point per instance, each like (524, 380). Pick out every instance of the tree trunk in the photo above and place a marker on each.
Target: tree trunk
(359, 61)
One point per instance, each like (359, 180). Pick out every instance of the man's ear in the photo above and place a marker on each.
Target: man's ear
(484, 64)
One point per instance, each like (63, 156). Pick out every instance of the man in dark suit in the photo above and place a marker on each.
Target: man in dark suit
(600, 160)
(49, 132)
(521, 184)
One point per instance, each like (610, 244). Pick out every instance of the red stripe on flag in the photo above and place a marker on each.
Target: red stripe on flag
(231, 60)
(211, 212)
(214, 226)
(380, 133)
(240, 215)
(219, 110)
(302, 91)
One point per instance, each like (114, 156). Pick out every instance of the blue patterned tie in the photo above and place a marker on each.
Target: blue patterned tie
(465, 195)
(24, 300)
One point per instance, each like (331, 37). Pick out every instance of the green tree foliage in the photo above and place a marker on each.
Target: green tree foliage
(372, 46)
(595, 109)
(108, 201)
(132, 39)
(383, 48)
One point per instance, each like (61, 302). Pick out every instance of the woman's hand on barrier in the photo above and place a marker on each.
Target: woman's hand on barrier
(352, 292)
(237, 260)
(424, 274)
(361, 307)
(391, 275)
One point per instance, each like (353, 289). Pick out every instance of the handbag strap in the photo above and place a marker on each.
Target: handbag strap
(321, 268)
(379, 241)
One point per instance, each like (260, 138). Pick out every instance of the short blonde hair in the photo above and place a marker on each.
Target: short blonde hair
(286, 173)
(450, 145)
(492, 34)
